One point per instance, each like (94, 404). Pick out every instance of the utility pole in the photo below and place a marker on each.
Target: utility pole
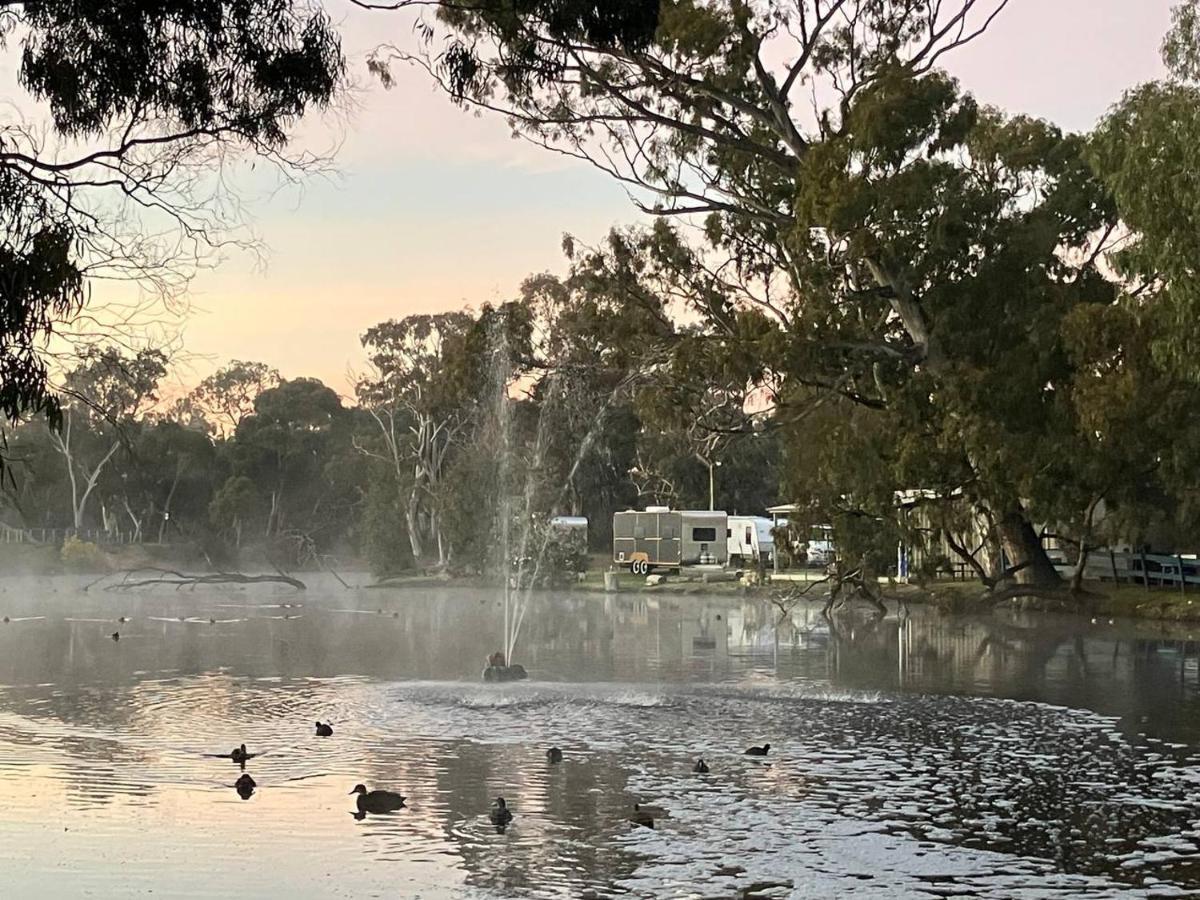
(712, 488)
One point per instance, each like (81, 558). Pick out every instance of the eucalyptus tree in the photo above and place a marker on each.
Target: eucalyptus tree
(855, 233)
(109, 393)
(286, 450)
(113, 158)
(223, 399)
(411, 398)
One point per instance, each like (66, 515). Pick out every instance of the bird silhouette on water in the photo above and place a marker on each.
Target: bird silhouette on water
(376, 801)
(500, 814)
(641, 816)
(701, 767)
(239, 754)
(324, 730)
(758, 751)
(245, 786)
(554, 755)
(116, 635)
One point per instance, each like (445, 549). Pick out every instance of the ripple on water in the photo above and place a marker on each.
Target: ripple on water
(887, 795)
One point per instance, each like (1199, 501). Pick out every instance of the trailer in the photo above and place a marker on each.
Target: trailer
(750, 540)
(662, 538)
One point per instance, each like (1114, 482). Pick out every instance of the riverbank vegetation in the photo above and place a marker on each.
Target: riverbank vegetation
(925, 321)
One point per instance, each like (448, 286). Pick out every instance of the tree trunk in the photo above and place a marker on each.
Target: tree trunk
(1080, 568)
(1027, 558)
(410, 518)
(443, 557)
(162, 528)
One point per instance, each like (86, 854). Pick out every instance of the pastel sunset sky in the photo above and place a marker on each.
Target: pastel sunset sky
(435, 209)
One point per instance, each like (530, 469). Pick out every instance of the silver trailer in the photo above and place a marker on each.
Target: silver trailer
(669, 539)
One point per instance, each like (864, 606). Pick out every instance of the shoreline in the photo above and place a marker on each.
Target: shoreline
(1100, 599)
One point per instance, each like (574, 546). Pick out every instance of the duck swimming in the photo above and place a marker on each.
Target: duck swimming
(554, 755)
(324, 730)
(701, 767)
(759, 751)
(377, 801)
(116, 635)
(641, 817)
(239, 754)
(500, 815)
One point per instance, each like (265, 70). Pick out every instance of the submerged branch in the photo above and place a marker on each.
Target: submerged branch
(182, 579)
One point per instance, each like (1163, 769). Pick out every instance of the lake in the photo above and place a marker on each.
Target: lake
(914, 756)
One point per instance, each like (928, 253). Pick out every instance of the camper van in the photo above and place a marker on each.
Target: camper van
(820, 549)
(662, 538)
(750, 540)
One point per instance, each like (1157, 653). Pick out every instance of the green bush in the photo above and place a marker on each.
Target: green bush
(81, 555)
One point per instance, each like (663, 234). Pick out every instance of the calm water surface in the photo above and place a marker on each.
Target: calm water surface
(914, 757)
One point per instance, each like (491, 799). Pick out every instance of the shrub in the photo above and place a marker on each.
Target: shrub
(81, 555)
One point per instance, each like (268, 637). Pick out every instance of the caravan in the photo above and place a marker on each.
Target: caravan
(750, 541)
(669, 539)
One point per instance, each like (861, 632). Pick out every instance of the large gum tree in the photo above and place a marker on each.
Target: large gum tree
(855, 233)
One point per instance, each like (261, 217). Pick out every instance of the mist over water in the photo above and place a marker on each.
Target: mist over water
(920, 757)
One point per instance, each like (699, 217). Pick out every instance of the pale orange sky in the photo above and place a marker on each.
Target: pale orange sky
(435, 209)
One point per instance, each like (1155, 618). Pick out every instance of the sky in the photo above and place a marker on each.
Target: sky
(432, 208)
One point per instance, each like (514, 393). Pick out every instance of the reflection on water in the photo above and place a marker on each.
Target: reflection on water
(900, 763)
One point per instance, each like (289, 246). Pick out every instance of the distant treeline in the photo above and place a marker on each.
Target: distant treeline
(521, 411)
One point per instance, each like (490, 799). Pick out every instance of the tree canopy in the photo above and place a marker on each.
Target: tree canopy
(922, 287)
(145, 102)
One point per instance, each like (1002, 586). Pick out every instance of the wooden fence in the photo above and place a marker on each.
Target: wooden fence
(58, 535)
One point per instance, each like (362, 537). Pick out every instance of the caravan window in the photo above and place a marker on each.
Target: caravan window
(704, 534)
(749, 536)
(639, 532)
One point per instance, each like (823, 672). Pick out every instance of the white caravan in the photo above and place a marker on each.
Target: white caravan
(750, 539)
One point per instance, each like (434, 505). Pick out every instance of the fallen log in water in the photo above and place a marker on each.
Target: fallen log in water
(170, 577)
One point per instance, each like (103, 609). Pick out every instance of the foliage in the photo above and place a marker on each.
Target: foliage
(1181, 47)
(234, 505)
(147, 102)
(80, 555)
(383, 530)
(223, 399)
(551, 555)
(913, 282)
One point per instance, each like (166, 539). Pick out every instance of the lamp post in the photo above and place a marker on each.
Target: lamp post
(712, 464)
(712, 494)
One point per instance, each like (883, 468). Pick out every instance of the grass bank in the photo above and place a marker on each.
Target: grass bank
(1099, 599)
